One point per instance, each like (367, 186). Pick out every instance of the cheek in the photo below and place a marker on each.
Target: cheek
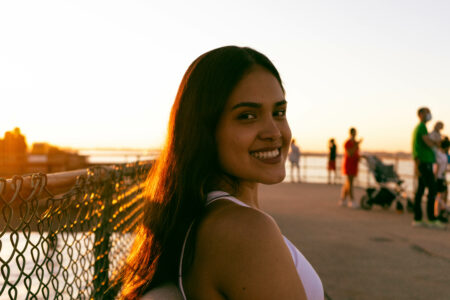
(232, 145)
(286, 133)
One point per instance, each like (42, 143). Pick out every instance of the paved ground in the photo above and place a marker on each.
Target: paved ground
(361, 254)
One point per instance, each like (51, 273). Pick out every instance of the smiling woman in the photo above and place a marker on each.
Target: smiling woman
(253, 135)
(204, 236)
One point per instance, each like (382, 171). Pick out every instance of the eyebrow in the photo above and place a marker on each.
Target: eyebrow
(256, 105)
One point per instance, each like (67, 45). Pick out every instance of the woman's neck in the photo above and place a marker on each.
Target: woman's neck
(246, 192)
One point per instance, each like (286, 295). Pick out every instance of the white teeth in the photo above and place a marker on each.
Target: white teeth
(266, 154)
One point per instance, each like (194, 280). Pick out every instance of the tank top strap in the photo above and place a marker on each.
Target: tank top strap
(219, 195)
(311, 281)
(211, 197)
(180, 267)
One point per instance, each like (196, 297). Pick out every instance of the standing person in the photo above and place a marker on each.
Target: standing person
(294, 159)
(203, 228)
(331, 161)
(424, 158)
(440, 205)
(350, 168)
(435, 135)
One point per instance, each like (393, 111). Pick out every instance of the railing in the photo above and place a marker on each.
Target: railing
(66, 235)
(313, 168)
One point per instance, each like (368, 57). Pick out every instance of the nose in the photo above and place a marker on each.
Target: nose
(270, 130)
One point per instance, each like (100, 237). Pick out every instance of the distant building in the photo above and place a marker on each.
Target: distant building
(13, 152)
(49, 159)
(43, 158)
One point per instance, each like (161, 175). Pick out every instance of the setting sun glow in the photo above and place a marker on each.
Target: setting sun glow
(89, 74)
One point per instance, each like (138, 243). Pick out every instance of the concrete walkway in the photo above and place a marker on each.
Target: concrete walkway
(361, 254)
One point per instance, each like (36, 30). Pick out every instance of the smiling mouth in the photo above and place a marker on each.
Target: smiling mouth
(266, 155)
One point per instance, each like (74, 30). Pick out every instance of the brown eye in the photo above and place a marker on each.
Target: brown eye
(279, 113)
(247, 116)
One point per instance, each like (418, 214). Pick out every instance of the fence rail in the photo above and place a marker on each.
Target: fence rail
(313, 168)
(65, 235)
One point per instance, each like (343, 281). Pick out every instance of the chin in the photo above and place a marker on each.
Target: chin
(273, 179)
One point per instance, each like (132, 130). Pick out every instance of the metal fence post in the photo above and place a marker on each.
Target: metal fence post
(102, 244)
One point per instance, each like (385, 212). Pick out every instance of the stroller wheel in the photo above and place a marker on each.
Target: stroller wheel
(399, 207)
(365, 202)
(409, 205)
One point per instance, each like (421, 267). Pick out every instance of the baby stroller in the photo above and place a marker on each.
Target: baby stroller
(384, 195)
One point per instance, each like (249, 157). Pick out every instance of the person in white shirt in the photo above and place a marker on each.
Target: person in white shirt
(294, 159)
(435, 135)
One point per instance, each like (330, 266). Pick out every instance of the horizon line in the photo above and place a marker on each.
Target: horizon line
(137, 149)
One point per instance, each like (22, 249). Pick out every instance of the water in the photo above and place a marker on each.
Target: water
(313, 169)
(70, 262)
(29, 256)
(118, 156)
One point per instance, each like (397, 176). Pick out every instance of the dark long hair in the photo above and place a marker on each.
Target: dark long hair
(188, 166)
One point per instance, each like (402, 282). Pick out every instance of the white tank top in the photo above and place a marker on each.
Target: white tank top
(310, 280)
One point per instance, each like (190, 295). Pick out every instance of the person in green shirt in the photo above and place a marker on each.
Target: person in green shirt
(423, 156)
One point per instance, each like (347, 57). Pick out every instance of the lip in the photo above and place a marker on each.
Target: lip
(273, 160)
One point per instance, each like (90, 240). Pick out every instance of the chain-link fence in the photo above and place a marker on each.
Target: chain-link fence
(66, 235)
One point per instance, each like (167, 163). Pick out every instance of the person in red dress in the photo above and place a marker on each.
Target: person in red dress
(350, 168)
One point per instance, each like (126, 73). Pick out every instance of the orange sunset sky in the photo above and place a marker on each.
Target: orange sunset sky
(87, 74)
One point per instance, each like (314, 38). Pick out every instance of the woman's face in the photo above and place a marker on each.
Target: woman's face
(253, 135)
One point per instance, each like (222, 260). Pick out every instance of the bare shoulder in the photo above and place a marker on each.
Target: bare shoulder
(226, 219)
(244, 254)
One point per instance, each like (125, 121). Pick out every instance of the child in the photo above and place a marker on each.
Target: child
(332, 161)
